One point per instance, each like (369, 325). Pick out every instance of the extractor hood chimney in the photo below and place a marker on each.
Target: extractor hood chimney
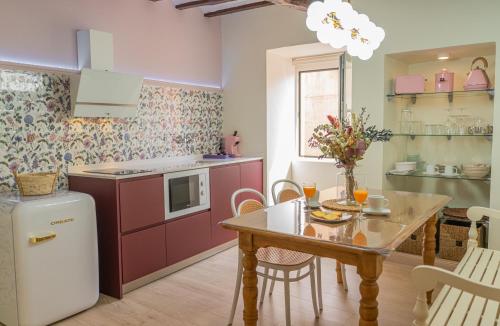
(97, 91)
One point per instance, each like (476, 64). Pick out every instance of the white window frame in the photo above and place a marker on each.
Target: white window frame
(318, 63)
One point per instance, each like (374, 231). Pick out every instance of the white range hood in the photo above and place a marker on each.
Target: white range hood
(97, 91)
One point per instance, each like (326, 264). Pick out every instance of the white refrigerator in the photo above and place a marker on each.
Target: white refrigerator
(48, 257)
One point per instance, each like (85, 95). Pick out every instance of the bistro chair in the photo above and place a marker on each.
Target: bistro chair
(291, 193)
(268, 258)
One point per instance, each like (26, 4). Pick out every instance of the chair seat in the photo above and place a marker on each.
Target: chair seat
(455, 307)
(278, 256)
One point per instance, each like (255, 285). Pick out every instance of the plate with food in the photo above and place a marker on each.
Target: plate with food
(330, 216)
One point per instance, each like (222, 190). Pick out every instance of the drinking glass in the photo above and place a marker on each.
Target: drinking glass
(309, 189)
(360, 195)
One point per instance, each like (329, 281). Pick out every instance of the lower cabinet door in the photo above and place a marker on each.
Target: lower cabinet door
(143, 252)
(187, 236)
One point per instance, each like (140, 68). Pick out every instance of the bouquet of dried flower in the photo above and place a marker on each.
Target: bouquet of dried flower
(347, 141)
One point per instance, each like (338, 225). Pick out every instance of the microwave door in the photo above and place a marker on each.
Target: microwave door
(179, 194)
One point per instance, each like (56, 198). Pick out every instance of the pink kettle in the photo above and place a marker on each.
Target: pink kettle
(477, 79)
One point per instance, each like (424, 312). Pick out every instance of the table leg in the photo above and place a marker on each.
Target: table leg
(339, 273)
(250, 291)
(369, 268)
(429, 247)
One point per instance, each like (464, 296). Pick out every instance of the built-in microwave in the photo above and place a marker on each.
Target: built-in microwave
(186, 192)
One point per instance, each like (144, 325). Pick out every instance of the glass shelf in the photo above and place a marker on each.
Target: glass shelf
(437, 176)
(490, 92)
(412, 136)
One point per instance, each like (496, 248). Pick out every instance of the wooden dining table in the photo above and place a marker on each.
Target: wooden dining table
(362, 242)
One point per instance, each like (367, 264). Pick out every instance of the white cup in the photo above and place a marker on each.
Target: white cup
(377, 202)
(431, 169)
(450, 170)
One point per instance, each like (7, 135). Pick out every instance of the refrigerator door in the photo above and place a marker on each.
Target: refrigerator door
(55, 241)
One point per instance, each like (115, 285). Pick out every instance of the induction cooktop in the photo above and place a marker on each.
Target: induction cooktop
(118, 171)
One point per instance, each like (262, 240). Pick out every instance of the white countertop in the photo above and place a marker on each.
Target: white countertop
(157, 166)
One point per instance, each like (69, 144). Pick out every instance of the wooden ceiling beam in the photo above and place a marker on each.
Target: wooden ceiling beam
(232, 10)
(294, 4)
(199, 3)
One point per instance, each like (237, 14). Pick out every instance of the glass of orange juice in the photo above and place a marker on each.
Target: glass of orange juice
(360, 195)
(309, 189)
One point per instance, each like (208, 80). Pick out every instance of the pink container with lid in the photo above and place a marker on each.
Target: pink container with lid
(409, 84)
(444, 81)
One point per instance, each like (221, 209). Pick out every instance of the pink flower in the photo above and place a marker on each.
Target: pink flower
(13, 166)
(334, 121)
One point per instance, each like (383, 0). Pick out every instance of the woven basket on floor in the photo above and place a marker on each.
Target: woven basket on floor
(36, 184)
(453, 240)
(413, 245)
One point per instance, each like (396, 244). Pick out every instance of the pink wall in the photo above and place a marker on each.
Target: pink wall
(151, 39)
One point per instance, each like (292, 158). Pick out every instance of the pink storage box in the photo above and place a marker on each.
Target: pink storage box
(409, 84)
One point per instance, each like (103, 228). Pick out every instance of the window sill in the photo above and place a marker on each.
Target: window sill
(314, 160)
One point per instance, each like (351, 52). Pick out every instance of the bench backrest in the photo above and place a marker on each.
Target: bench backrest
(475, 214)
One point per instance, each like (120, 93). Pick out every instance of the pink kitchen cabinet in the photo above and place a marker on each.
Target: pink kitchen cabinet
(143, 252)
(187, 236)
(134, 238)
(251, 177)
(224, 181)
(141, 203)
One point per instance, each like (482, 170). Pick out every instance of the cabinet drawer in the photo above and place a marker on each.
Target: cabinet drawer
(187, 237)
(141, 203)
(143, 252)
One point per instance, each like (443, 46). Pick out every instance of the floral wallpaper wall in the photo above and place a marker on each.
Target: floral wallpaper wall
(37, 132)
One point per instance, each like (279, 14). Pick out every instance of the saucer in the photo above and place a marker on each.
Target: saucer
(433, 173)
(371, 211)
(454, 175)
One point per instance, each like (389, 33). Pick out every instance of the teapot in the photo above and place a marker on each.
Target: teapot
(477, 79)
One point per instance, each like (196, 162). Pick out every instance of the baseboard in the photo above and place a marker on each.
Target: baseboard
(135, 284)
(415, 260)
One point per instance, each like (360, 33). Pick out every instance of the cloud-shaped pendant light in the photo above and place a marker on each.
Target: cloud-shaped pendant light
(338, 24)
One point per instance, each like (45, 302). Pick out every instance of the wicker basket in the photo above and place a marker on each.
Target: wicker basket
(36, 184)
(453, 240)
(413, 245)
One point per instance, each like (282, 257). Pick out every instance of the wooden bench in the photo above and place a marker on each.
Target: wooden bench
(471, 293)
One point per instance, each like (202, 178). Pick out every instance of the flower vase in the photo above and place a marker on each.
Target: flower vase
(349, 186)
(346, 183)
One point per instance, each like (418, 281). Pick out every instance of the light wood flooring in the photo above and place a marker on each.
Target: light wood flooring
(201, 295)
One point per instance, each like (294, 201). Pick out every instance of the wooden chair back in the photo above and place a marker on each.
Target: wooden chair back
(248, 205)
(287, 193)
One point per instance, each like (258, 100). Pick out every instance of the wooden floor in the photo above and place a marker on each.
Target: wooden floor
(201, 295)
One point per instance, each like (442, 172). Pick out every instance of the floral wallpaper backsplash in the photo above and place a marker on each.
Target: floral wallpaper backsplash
(37, 132)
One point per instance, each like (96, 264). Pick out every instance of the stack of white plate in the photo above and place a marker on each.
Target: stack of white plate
(476, 170)
(404, 168)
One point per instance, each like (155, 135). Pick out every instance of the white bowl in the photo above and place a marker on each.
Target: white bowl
(405, 166)
(475, 166)
(476, 174)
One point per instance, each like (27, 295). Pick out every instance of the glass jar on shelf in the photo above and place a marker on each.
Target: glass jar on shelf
(406, 119)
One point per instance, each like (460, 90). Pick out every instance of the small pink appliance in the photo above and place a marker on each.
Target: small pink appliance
(444, 81)
(231, 145)
(477, 79)
(409, 84)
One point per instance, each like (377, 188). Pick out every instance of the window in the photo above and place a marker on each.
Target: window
(320, 92)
